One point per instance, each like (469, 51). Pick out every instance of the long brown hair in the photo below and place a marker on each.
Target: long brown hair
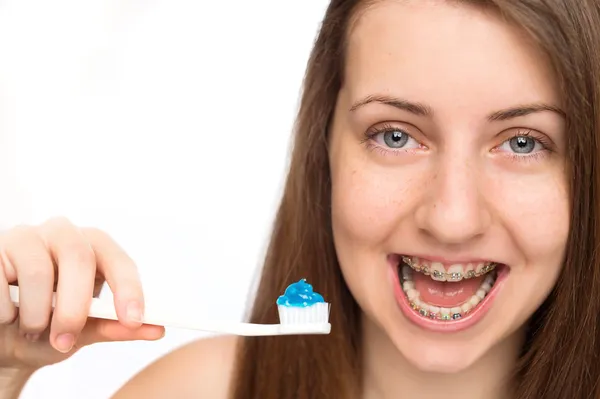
(561, 356)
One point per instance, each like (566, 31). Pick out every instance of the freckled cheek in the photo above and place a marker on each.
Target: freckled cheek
(536, 211)
(368, 204)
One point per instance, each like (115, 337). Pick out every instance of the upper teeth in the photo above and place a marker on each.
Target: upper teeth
(455, 272)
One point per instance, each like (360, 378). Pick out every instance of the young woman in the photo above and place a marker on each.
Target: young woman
(442, 196)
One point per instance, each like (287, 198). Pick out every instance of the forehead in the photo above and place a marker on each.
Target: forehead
(449, 55)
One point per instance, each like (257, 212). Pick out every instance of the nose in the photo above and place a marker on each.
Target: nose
(454, 210)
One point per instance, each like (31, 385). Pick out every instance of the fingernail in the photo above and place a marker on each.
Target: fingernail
(32, 337)
(64, 342)
(134, 312)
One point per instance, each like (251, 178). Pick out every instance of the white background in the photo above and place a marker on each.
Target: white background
(165, 122)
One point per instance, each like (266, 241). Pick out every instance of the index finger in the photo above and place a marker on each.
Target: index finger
(121, 274)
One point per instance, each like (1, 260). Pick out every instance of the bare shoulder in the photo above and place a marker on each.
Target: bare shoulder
(201, 369)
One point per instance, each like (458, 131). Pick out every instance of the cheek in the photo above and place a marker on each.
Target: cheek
(368, 203)
(535, 212)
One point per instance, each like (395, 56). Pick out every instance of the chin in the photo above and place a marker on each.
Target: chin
(440, 356)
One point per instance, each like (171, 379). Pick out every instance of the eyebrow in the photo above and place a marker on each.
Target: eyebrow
(409, 106)
(424, 110)
(524, 110)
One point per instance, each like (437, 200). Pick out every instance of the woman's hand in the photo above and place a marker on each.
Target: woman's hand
(74, 262)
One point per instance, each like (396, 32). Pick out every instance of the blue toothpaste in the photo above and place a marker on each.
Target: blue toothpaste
(300, 295)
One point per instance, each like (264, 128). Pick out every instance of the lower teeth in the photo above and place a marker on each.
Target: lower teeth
(440, 313)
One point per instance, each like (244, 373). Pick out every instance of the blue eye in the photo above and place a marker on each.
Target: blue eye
(395, 139)
(522, 145)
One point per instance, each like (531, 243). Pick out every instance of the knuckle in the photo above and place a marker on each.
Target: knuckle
(80, 254)
(33, 325)
(94, 234)
(36, 273)
(19, 234)
(92, 230)
(24, 246)
(35, 264)
(22, 229)
(57, 222)
(8, 316)
(69, 319)
(129, 286)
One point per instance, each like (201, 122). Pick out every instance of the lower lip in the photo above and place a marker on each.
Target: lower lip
(451, 325)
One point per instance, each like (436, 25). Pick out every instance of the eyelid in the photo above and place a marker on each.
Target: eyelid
(542, 138)
(407, 128)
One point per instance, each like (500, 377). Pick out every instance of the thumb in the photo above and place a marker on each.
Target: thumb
(99, 330)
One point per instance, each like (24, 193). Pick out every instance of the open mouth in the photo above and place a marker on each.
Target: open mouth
(442, 296)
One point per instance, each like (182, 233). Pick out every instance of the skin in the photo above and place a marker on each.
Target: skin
(455, 190)
(84, 258)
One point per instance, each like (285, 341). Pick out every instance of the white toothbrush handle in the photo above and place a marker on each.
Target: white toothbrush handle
(102, 309)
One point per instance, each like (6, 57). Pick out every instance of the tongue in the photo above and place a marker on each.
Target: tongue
(446, 294)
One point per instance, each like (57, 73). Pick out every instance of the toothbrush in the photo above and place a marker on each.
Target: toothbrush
(314, 320)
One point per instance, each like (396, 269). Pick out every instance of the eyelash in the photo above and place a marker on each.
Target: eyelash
(370, 135)
(370, 144)
(542, 140)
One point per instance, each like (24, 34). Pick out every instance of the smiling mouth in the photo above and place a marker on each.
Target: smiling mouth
(446, 292)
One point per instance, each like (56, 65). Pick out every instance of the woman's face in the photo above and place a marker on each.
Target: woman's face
(448, 155)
